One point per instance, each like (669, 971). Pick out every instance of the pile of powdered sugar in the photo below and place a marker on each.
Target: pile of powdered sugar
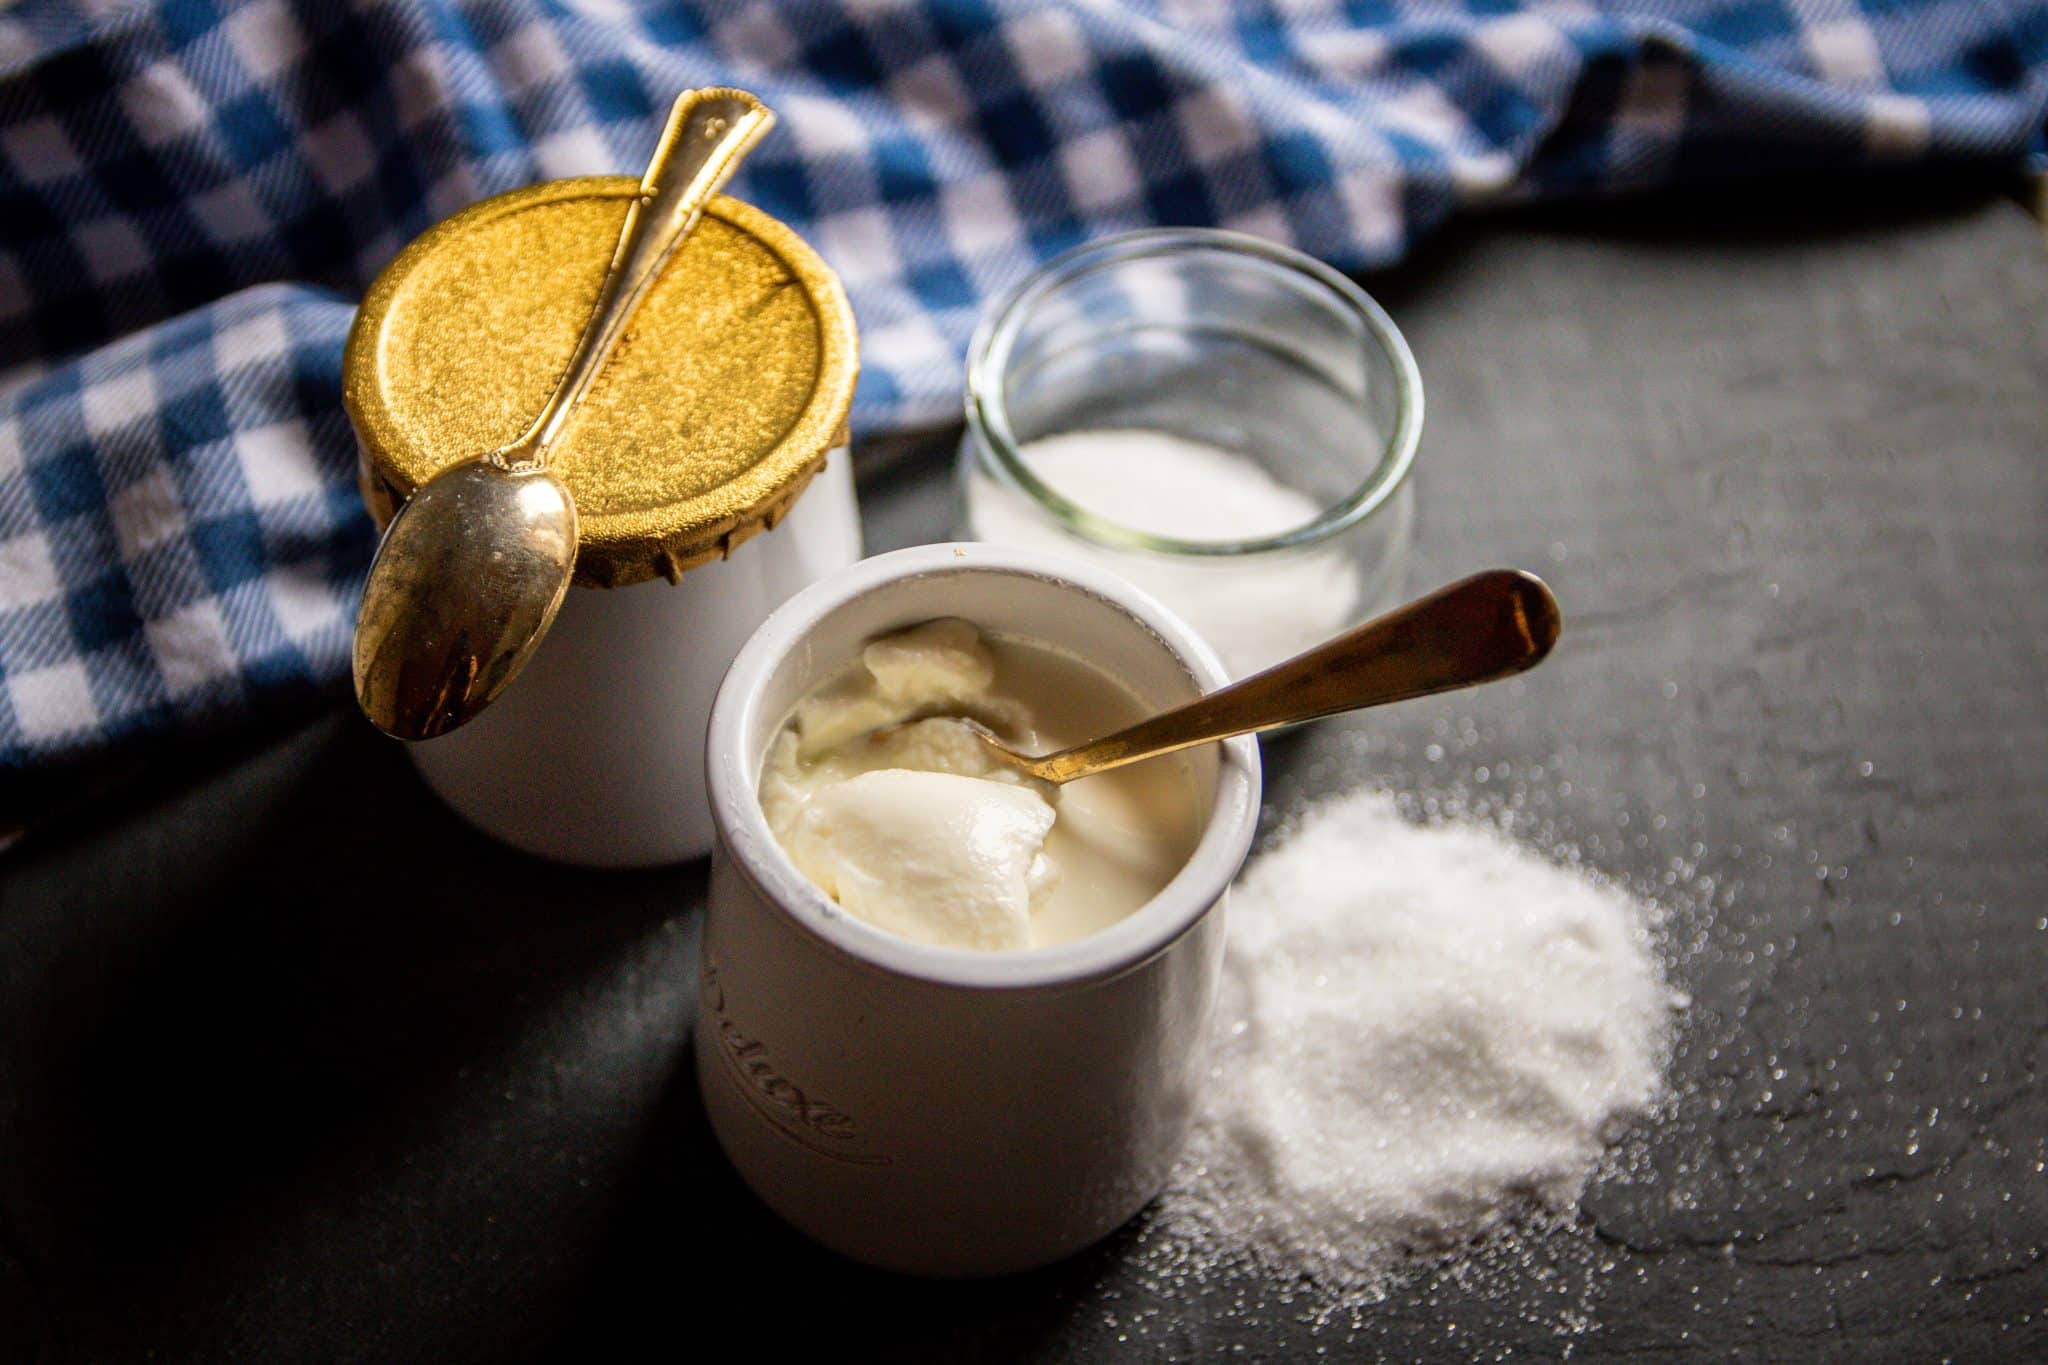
(1424, 1033)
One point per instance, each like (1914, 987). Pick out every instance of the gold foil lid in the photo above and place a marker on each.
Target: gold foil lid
(732, 382)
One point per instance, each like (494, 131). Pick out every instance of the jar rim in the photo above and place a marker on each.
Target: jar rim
(989, 356)
(733, 763)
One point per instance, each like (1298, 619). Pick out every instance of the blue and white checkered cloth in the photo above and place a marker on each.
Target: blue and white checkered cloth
(192, 194)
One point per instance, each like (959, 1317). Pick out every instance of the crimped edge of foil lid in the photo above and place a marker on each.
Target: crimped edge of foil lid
(620, 548)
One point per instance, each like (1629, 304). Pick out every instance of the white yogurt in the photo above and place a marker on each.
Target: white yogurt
(1255, 609)
(918, 832)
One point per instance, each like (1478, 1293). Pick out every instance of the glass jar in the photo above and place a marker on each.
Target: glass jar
(1225, 422)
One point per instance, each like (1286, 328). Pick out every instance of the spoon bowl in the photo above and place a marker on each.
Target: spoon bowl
(474, 568)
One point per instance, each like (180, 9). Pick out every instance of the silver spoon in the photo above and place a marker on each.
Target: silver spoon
(470, 573)
(1489, 626)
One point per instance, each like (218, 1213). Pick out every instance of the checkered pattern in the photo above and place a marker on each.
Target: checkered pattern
(179, 534)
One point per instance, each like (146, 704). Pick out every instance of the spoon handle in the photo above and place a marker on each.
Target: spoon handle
(708, 132)
(1491, 625)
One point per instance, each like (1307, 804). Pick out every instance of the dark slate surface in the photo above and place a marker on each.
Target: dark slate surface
(293, 1067)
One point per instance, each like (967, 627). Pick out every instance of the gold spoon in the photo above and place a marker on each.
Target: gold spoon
(470, 573)
(1489, 626)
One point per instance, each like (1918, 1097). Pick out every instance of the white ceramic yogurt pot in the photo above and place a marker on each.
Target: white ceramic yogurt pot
(597, 755)
(708, 465)
(937, 1110)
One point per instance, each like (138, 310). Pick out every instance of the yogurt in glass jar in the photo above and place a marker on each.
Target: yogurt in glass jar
(1225, 422)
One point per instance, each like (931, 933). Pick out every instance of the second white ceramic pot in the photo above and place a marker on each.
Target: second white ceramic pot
(595, 754)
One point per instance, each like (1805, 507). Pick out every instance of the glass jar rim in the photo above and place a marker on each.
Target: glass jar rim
(988, 357)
